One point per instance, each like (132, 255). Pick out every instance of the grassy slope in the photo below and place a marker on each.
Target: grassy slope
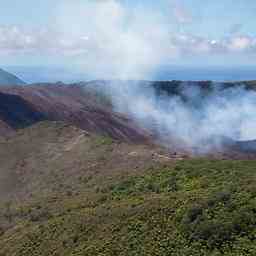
(86, 195)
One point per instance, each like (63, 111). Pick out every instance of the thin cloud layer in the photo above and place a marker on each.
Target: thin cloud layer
(109, 37)
(14, 39)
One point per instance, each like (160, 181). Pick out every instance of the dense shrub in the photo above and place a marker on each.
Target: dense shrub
(197, 207)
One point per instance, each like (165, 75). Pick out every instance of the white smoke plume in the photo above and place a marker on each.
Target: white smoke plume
(196, 117)
(121, 42)
(127, 43)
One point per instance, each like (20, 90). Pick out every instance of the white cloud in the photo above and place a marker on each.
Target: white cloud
(15, 39)
(106, 37)
(202, 45)
(241, 43)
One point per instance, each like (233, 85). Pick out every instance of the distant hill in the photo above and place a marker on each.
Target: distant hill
(9, 79)
(71, 104)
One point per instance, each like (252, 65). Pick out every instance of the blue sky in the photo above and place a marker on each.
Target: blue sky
(182, 32)
(209, 17)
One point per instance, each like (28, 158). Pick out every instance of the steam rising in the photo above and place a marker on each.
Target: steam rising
(127, 43)
(121, 42)
(196, 117)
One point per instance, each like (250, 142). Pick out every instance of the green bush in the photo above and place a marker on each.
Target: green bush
(195, 207)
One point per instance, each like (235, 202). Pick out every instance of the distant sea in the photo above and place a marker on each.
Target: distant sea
(214, 74)
(218, 74)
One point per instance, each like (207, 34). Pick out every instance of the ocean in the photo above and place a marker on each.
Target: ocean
(66, 75)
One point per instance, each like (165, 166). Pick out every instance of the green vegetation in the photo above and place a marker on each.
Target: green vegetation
(193, 207)
(103, 140)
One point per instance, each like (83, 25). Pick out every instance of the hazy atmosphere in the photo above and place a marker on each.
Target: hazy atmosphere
(128, 128)
(129, 39)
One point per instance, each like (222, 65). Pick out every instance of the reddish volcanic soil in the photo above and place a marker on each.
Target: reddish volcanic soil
(72, 104)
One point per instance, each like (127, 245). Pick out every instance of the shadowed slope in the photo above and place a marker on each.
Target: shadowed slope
(75, 105)
(16, 113)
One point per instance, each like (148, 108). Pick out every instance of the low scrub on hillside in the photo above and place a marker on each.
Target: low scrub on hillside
(195, 207)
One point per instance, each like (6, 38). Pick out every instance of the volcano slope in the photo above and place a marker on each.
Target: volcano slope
(90, 107)
(65, 191)
(72, 104)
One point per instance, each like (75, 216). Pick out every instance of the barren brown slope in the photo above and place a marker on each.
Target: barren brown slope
(54, 157)
(75, 105)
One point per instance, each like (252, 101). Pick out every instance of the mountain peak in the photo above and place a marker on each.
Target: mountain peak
(7, 78)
